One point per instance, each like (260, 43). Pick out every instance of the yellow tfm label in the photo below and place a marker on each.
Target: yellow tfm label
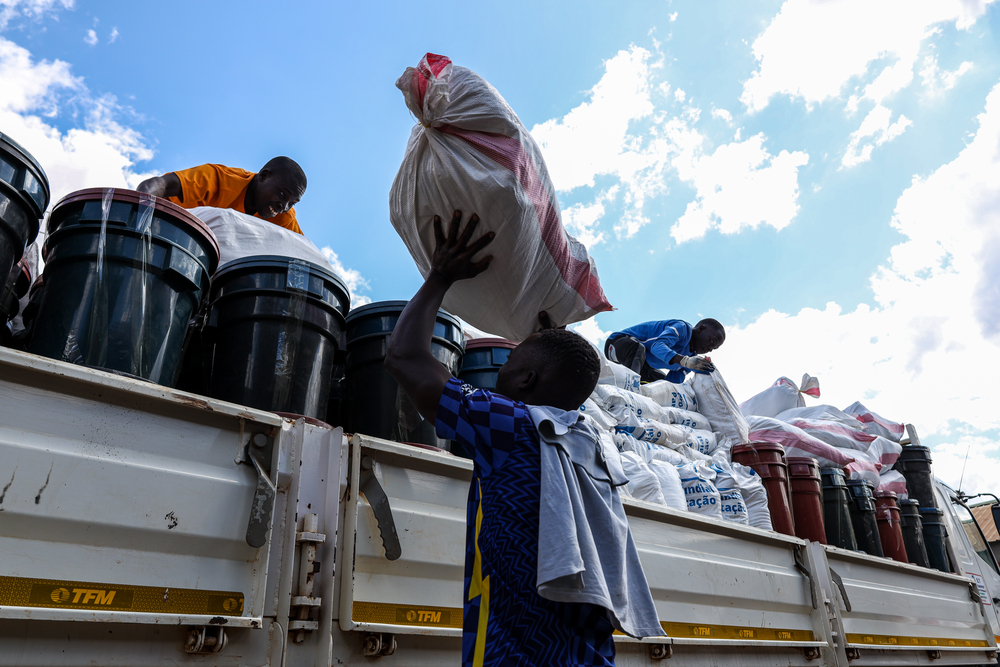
(56, 594)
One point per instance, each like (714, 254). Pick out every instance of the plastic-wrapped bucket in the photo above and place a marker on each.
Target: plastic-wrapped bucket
(935, 538)
(915, 464)
(14, 289)
(861, 503)
(482, 361)
(24, 196)
(125, 273)
(274, 328)
(376, 405)
(890, 528)
(913, 532)
(836, 513)
(807, 498)
(768, 460)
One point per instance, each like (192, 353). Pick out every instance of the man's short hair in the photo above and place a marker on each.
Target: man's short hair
(714, 324)
(570, 361)
(289, 168)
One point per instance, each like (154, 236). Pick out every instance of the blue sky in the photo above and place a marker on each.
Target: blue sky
(712, 155)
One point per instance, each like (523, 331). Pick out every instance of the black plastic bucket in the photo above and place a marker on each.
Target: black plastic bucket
(13, 291)
(913, 532)
(836, 513)
(935, 538)
(124, 305)
(376, 405)
(24, 196)
(274, 328)
(482, 361)
(863, 517)
(915, 464)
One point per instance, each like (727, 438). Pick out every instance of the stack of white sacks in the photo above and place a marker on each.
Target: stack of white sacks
(674, 442)
(856, 439)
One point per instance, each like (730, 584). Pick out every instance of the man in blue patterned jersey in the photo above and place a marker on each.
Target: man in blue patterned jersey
(506, 621)
(666, 350)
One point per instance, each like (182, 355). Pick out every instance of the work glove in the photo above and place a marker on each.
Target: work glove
(700, 364)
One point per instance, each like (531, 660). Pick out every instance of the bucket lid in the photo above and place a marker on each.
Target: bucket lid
(759, 446)
(910, 502)
(475, 343)
(915, 451)
(860, 482)
(162, 205)
(885, 493)
(282, 262)
(832, 472)
(11, 147)
(394, 308)
(932, 510)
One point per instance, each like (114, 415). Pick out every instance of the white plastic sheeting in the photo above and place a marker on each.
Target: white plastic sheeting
(783, 395)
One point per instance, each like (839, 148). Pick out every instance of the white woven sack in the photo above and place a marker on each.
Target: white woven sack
(670, 483)
(592, 410)
(733, 506)
(699, 489)
(718, 405)
(669, 394)
(643, 484)
(620, 402)
(684, 418)
(241, 235)
(754, 495)
(470, 152)
(780, 396)
(618, 376)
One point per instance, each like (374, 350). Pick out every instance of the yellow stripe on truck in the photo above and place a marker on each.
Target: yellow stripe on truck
(385, 613)
(705, 631)
(57, 594)
(899, 640)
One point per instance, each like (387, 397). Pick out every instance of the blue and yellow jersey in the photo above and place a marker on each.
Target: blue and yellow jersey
(506, 622)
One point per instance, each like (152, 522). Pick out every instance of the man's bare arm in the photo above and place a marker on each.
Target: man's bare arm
(167, 185)
(408, 355)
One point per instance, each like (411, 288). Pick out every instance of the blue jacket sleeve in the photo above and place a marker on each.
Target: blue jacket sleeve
(672, 342)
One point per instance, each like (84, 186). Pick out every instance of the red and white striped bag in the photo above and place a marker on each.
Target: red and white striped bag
(470, 152)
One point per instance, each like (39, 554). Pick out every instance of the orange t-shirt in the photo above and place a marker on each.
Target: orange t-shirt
(223, 187)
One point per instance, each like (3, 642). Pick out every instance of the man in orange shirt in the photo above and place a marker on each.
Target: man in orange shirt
(269, 194)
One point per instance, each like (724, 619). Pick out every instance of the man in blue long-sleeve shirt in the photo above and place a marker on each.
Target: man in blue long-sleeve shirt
(651, 348)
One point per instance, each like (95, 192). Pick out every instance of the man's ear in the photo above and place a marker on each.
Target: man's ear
(263, 175)
(528, 381)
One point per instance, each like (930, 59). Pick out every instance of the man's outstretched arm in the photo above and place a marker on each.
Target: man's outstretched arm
(408, 355)
(167, 185)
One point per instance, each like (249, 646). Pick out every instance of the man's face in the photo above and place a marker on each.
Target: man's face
(511, 373)
(705, 340)
(275, 194)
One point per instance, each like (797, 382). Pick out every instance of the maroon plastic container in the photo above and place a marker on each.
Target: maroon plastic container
(768, 460)
(890, 528)
(807, 498)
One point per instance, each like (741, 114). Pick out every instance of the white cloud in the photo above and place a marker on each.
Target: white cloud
(740, 185)
(91, 37)
(590, 139)
(113, 37)
(30, 9)
(99, 151)
(813, 48)
(592, 331)
(927, 352)
(937, 81)
(352, 278)
(581, 220)
(680, 95)
(723, 114)
(673, 17)
(875, 130)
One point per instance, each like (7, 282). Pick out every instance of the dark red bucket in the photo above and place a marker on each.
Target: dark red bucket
(807, 498)
(890, 527)
(768, 460)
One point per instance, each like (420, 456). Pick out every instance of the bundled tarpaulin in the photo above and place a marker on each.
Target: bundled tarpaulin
(470, 152)
(783, 395)
(876, 423)
(798, 442)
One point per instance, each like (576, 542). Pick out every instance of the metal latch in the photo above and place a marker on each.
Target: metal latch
(375, 495)
(258, 449)
(206, 639)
